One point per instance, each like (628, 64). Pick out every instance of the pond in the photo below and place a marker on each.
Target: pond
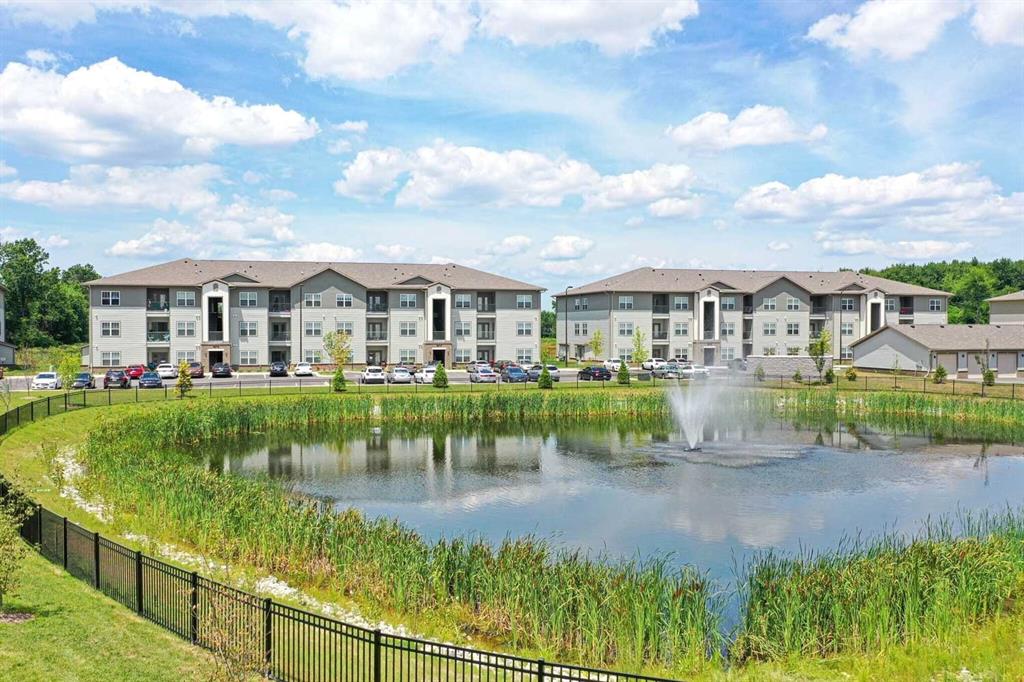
(636, 491)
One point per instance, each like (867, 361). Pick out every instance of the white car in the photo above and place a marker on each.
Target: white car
(612, 364)
(373, 375)
(399, 375)
(701, 372)
(653, 363)
(482, 374)
(303, 369)
(46, 381)
(425, 375)
(167, 371)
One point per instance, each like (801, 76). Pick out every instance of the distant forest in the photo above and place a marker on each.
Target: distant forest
(970, 282)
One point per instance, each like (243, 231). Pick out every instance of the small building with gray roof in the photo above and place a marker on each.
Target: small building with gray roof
(964, 350)
(1007, 309)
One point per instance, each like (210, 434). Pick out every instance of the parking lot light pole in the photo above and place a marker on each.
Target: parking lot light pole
(565, 309)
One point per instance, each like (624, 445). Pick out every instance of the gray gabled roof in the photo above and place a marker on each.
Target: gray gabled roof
(957, 337)
(748, 281)
(1013, 296)
(285, 274)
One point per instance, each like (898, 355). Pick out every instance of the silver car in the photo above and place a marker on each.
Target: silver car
(482, 374)
(399, 375)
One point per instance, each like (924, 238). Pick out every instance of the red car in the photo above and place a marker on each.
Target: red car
(136, 371)
(195, 370)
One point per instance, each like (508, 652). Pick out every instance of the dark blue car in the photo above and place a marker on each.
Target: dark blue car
(150, 380)
(514, 375)
(595, 373)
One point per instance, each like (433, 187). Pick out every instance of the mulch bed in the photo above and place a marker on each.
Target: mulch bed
(15, 618)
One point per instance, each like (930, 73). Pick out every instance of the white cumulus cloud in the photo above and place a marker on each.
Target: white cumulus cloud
(110, 110)
(5, 170)
(896, 29)
(755, 126)
(566, 247)
(352, 126)
(639, 187)
(395, 252)
(999, 21)
(673, 207)
(322, 251)
(779, 246)
(859, 244)
(41, 57)
(509, 246)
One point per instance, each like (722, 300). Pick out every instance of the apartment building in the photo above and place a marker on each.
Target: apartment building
(254, 313)
(714, 316)
(6, 349)
(1007, 309)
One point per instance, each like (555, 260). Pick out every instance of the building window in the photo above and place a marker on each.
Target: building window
(584, 303)
(407, 300)
(343, 328)
(576, 304)
(110, 329)
(185, 356)
(626, 353)
(625, 302)
(247, 357)
(184, 328)
(462, 329)
(311, 300)
(580, 328)
(248, 329)
(407, 329)
(110, 358)
(846, 304)
(768, 350)
(463, 300)
(247, 299)
(463, 354)
(312, 356)
(792, 303)
(793, 350)
(768, 304)
(110, 298)
(681, 353)
(935, 305)
(681, 329)
(768, 329)
(186, 299)
(343, 300)
(314, 328)
(728, 303)
(846, 329)
(625, 329)
(728, 329)
(576, 328)
(890, 305)
(407, 355)
(845, 353)
(524, 328)
(524, 301)
(792, 329)
(728, 354)
(524, 355)
(681, 302)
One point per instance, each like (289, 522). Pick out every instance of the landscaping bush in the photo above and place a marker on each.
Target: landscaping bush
(759, 373)
(623, 376)
(851, 374)
(544, 380)
(939, 376)
(440, 377)
(184, 383)
(830, 376)
(798, 377)
(988, 377)
(338, 380)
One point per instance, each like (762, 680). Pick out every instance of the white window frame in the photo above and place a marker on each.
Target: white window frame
(681, 353)
(584, 303)
(313, 328)
(343, 300)
(524, 301)
(625, 353)
(586, 328)
(313, 356)
(407, 355)
(248, 299)
(792, 350)
(111, 298)
(110, 358)
(728, 354)
(846, 304)
(728, 303)
(312, 300)
(681, 302)
(681, 329)
(845, 353)
(524, 328)
(463, 329)
(110, 329)
(792, 329)
(463, 354)
(185, 328)
(247, 329)
(768, 350)
(576, 328)
(890, 305)
(768, 303)
(343, 327)
(625, 302)
(406, 300)
(626, 329)
(185, 299)
(728, 329)
(792, 303)
(524, 355)
(185, 356)
(463, 300)
(768, 329)
(248, 358)
(407, 329)
(846, 329)
(935, 305)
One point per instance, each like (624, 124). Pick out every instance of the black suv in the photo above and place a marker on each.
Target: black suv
(116, 378)
(221, 369)
(279, 369)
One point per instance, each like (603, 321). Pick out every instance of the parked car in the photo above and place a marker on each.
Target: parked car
(701, 372)
(195, 370)
(116, 378)
(595, 373)
(514, 374)
(738, 365)
(279, 369)
(670, 370)
(500, 365)
(150, 380)
(46, 381)
(482, 374)
(653, 363)
(136, 371)
(84, 380)
(221, 370)
(534, 372)
(399, 375)
(612, 364)
(167, 371)
(425, 375)
(303, 369)
(373, 375)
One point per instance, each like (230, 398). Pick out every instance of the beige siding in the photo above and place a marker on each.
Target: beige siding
(888, 349)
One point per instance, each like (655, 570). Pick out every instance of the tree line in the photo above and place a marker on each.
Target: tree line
(970, 282)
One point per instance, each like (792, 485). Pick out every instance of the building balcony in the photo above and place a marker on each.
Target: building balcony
(818, 310)
(280, 338)
(661, 309)
(377, 335)
(438, 335)
(906, 310)
(748, 310)
(280, 308)
(158, 306)
(486, 308)
(215, 335)
(708, 335)
(484, 335)
(158, 337)
(378, 308)
(748, 336)
(659, 336)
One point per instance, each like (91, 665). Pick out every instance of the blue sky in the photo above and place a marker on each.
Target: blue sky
(556, 143)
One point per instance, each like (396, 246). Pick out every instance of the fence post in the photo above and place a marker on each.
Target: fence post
(39, 525)
(540, 670)
(136, 393)
(194, 605)
(376, 655)
(268, 636)
(982, 386)
(96, 557)
(110, 400)
(64, 543)
(65, 401)
(48, 399)
(138, 582)
(32, 410)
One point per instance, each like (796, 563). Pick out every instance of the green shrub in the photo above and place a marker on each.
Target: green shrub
(759, 373)
(988, 377)
(12, 551)
(830, 376)
(338, 380)
(939, 376)
(798, 377)
(851, 374)
(544, 380)
(623, 375)
(440, 377)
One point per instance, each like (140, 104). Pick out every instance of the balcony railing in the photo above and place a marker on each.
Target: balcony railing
(660, 309)
(906, 310)
(158, 305)
(158, 337)
(748, 310)
(709, 335)
(484, 335)
(377, 335)
(438, 335)
(280, 337)
(659, 336)
(376, 307)
(485, 307)
(818, 310)
(280, 307)
(215, 335)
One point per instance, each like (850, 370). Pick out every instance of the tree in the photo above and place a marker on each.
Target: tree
(184, 383)
(67, 367)
(547, 323)
(544, 380)
(339, 346)
(597, 343)
(639, 347)
(818, 349)
(988, 375)
(440, 377)
(939, 376)
(623, 376)
(12, 551)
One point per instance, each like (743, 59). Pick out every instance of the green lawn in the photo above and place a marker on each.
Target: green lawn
(79, 634)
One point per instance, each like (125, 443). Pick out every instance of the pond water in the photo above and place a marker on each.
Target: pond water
(636, 491)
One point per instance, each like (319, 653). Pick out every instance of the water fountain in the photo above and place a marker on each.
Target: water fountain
(692, 407)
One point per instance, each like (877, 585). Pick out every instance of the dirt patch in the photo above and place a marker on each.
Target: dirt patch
(15, 618)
